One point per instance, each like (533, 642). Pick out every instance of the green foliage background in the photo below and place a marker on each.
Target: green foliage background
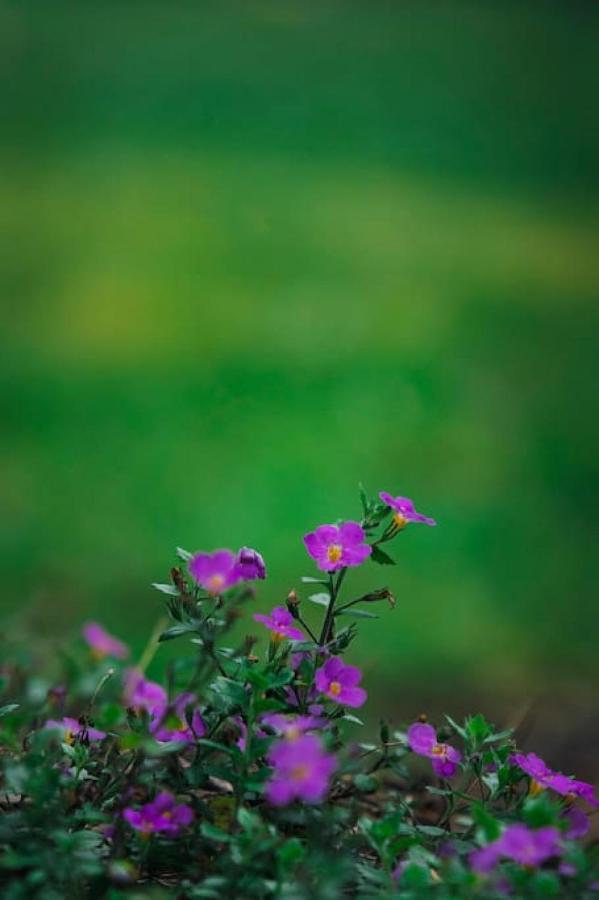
(253, 253)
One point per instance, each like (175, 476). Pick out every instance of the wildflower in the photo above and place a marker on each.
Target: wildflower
(404, 510)
(422, 739)
(292, 727)
(102, 643)
(523, 845)
(301, 770)
(280, 623)
(578, 823)
(250, 564)
(335, 547)
(170, 723)
(73, 730)
(161, 816)
(215, 572)
(340, 682)
(544, 777)
(143, 694)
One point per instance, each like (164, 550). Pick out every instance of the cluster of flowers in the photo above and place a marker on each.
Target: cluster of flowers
(291, 742)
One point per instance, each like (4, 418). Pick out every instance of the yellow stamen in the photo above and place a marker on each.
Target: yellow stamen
(298, 773)
(292, 733)
(335, 688)
(440, 750)
(535, 788)
(334, 553)
(399, 521)
(69, 737)
(215, 584)
(276, 637)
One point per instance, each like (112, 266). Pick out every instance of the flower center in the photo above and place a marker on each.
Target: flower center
(440, 750)
(215, 583)
(69, 737)
(334, 552)
(335, 688)
(399, 521)
(299, 773)
(535, 788)
(292, 733)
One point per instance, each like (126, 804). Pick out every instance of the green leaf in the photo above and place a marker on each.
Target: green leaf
(184, 554)
(320, 599)
(366, 784)
(168, 589)
(379, 556)
(176, 631)
(213, 833)
(457, 728)
(477, 729)
(6, 710)
(309, 579)
(357, 614)
(349, 717)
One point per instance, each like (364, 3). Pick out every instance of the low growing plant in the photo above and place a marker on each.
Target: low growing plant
(236, 778)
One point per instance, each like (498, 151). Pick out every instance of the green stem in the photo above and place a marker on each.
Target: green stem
(334, 588)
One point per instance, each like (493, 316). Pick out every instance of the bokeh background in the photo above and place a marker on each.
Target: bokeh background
(253, 253)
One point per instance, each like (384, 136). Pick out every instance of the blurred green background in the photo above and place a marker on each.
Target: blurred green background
(254, 253)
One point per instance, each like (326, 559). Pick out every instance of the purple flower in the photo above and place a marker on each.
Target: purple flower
(162, 816)
(422, 739)
(250, 564)
(340, 682)
(280, 623)
(523, 845)
(102, 643)
(143, 694)
(170, 722)
(215, 572)
(545, 777)
(404, 510)
(292, 727)
(72, 730)
(301, 770)
(578, 823)
(334, 547)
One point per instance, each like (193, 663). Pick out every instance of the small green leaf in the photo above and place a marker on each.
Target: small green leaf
(6, 710)
(357, 614)
(309, 579)
(168, 589)
(379, 556)
(320, 599)
(184, 554)
(176, 631)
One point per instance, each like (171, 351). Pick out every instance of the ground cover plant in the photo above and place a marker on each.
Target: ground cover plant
(246, 775)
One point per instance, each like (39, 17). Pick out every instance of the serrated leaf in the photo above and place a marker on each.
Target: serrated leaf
(379, 556)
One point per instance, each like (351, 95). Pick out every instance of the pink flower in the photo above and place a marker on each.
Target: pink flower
(162, 815)
(337, 546)
(523, 845)
(143, 694)
(215, 572)
(170, 723)
(292, 727)
(422, 739)
(404, 510)
(540, 772)
(73, 731)
(340, 682)
(301, 770)
(102, 643)
(280, 623)
(250, 564)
